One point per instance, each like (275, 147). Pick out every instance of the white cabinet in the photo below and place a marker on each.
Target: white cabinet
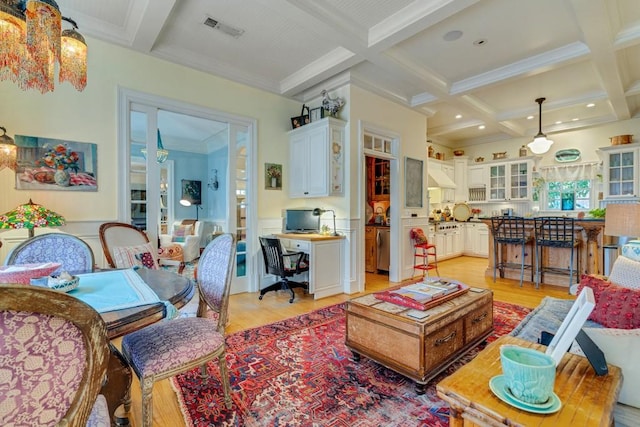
(316, 159)
(477, 179)
(476, 239)
(460, 178)
(448, 194)
(510, 181)
(620, 167)
(449, 243)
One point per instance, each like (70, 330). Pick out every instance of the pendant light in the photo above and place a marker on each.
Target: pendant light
(540, 143)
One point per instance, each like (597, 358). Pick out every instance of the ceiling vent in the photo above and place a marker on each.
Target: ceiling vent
(221, 26)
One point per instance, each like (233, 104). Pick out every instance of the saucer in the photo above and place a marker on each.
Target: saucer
(500, 389)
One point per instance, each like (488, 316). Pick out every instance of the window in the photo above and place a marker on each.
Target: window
(569, 195)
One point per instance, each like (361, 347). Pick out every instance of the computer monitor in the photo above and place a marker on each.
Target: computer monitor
(301, 221)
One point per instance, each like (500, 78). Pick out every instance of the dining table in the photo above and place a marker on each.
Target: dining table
(173, 291)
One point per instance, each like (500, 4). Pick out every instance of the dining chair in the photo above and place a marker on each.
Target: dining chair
(282, 265)
(125, 246)
(170, 347)
(54, 358)
(73, 253)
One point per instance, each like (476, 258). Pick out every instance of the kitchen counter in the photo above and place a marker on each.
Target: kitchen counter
(590, 231)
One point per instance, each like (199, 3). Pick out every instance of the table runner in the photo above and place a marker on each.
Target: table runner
(114, 290)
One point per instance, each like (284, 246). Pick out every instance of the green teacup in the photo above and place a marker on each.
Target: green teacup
(529, 374)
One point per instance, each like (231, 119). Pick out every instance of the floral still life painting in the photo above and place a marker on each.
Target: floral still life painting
(54, 164)
(273, 176)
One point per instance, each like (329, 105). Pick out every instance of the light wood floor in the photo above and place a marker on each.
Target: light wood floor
(246, 311)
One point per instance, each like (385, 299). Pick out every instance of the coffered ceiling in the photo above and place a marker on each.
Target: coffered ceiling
(485, 61)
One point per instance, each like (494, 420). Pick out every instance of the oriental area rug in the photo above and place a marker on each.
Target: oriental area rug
(298, 372)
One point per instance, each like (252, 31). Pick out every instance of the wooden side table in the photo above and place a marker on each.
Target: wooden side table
(587, 399)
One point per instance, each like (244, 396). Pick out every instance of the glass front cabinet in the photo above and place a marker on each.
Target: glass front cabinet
(510, 181)
(620, 171)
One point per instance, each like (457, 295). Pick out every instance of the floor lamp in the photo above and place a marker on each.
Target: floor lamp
(623, 221)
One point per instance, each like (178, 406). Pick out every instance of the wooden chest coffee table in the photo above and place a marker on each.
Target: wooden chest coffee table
(418, 349)
(586, 399)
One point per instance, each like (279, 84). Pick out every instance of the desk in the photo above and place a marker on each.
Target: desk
(326, 265)
(168, 286)
(587, 399)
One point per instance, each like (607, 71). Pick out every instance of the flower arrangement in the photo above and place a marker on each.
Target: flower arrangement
(476, 211)
(61, 158)
(273, 171)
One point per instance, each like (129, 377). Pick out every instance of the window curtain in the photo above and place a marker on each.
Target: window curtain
(590, 170)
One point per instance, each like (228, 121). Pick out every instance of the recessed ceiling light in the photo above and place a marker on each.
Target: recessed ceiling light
(481, 127)
(575, 119)
(480, 42)
(559, 122)
(458, 116)
(529, 117)
(591, 105)
(452, 35)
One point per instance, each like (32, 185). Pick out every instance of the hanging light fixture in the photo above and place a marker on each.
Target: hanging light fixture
(32, 41)
(161, 154)
(540, 143)
(8, 151)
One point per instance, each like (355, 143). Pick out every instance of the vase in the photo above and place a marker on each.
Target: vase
(274, 182)
(62, 177)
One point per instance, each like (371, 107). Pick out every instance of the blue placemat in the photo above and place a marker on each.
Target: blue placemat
(114, 290)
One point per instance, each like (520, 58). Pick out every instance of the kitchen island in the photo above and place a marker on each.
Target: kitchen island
(590, 233)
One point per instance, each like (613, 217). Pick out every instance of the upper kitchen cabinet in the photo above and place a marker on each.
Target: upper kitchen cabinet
(510, 180)
(620, 167)
(316, 159)
(378, 179)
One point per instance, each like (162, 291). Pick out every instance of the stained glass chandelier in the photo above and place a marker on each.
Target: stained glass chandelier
(162, 154)
(32, 43)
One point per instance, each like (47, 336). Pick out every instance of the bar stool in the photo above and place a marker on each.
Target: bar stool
(422, 251)
(509, 230)
(556, 232)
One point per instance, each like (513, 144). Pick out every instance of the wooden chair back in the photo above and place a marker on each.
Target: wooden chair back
(114, 234)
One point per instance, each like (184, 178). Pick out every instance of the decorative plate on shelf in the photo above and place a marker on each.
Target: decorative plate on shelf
(568, 155)
(461, 211)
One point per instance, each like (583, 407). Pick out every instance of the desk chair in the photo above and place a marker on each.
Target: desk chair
(282, 265)
(168, 348)
(556, 232)
(73, 253)
(55, 354)
(509, 230)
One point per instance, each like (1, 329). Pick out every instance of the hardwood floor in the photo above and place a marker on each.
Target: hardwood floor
(246, 311)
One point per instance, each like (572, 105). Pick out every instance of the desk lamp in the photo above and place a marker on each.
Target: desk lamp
(30, 216)
(622, 220)
(318, 212)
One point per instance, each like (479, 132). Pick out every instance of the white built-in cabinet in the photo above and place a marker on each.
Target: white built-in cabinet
(620, 167)
(316, 159)
(510, 181)
(476, 239)
(449, 243)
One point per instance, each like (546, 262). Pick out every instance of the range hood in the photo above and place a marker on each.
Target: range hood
(437, 178)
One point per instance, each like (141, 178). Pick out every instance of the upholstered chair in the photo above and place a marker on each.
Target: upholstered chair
(170, 347)
(73, 253)
(188, 235)
(53, 360)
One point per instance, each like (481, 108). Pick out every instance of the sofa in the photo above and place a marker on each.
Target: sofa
(614, 324)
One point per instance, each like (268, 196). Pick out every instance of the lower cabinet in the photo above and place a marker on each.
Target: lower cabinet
(476, 239)
(370, 253)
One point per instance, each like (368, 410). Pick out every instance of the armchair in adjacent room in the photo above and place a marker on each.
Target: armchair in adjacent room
(187, 234)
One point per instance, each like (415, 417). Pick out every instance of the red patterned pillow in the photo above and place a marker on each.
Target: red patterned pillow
(418, 236)
(597, 284)
(617, 307)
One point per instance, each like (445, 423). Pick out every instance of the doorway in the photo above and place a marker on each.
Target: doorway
(208, 149)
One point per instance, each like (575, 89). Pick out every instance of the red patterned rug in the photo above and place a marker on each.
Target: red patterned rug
(297, 372)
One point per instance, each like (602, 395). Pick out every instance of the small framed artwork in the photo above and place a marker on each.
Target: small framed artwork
(316, 114)
(192, 191)
(272, 176)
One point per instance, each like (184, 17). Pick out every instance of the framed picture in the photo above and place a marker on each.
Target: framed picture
(272, 176)
(316, 114)
(192, 191)
(413, 170)
(571, 324)
(56, 164)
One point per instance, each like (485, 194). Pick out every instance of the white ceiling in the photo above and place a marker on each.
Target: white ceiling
(573, 52)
